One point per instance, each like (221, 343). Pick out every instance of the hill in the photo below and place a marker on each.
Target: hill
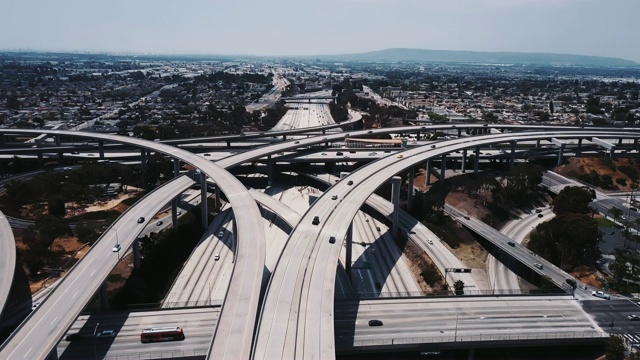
(421, 55)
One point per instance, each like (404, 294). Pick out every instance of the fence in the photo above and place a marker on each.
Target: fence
(418, 294)
(172, 354)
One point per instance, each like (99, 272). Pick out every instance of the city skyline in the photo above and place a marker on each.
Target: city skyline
(288, 28)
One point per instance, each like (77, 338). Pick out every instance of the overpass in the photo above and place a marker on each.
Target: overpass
(8, 263)
(305, 279)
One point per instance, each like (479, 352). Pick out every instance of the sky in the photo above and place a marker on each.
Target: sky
(301, 27)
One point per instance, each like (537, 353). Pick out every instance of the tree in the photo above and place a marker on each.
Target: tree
(615, 212)
(573, 199)
(57, 207)
(458, 286)
(614, 348)
(50, 227)
(13, 103)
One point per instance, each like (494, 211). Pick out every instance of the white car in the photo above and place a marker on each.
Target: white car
(217, 257)
(116, 248)
(430, 242)
(601, 294)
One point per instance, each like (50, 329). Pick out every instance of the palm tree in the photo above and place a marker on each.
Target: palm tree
(616, 213)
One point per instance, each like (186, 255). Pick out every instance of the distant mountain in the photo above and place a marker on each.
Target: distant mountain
(420, 55)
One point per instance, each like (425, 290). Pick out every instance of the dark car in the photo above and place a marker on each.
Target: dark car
(316, 220)
(540, 215)
(375, 323)
(73, 337)
(572, 283)
(511, 243)
(332, 240)
(350, 182)
(339, 153)
(141, 220)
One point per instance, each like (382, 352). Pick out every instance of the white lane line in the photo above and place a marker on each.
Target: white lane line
(76, 294)
(54, 320)
(94, 271)
(25, 355)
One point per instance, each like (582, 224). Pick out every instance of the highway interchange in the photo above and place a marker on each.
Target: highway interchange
(314, 286)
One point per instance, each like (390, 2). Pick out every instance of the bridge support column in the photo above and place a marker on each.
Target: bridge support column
(427, 171)
(560, 154)
(174, 201)
(459, 132)
(57, 141)
(284, 137)
(418, 136)
(228, 143)
(513, 154)
(2, 140)
(104, 297)
(347, 265)
(203, 201)
(269, 171)
(537, 144)
(476, 160)
(324, 131)
(395, 200)
(40, 157)
(143, 163)
(443, 168)
(579, 149)
(412, 176)
(136, 253)
(463, 167)
(101, 149)
(471, 354)
(217, 202)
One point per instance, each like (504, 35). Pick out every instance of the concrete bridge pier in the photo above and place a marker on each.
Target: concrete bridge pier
(101, 148)
(463, 166)
(579, 149)
(471, 354)
(513, 154)
(217, 202)
(203, 201)
(560, 155)
(2, 140)
(427, 170)
(418, 136)
(459, 132)
(284, 137)
(476, 163)
(269, 170)
(395, 200)
(412, 176)
(228, 143)
(443, 168)
(136, 253)
(347, 265)
(40, 157)
(143, 163)
(174, 201)
(104, 297)
(537, 144)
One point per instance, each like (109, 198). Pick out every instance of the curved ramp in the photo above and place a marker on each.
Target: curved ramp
(8, 263)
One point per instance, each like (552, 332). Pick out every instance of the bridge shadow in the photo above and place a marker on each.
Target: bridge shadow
(85, 344)
(18, 304)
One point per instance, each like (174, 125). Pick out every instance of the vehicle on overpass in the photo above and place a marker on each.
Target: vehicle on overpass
(601, 294)
(168, 333)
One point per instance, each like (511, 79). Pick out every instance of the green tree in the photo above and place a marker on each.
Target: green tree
(615, 212)
(614, 348)
(56, 206)
(458, 286)
(573, 199)
(50, 227)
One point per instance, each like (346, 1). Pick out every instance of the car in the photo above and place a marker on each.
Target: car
(538, 265)
(433, 146)
(511, 243)
(106, 334)
(540, 215)
(334, 197)
(216, 257)
(400, 156)
(323, 154)
(572, 283)
(375, 323)
(633, 317)
(429, 241)
(140, 219)
(316, 220)
(377, 228)
(116, 248)
(297, 142)
(350, 182)
(339, 153)
(75, 153)
(159, 223)
(611, 233)
(538, 211)
(35, 306)
(221, 234)
(207, 154)
(467, 218)
(332, 240)
(73, 337)
(633, 209)
(601, 294)
(369, 132)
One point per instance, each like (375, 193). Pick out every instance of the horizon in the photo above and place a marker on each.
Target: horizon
(286, 28)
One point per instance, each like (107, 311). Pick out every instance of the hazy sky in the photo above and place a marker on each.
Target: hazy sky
(301, 27)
